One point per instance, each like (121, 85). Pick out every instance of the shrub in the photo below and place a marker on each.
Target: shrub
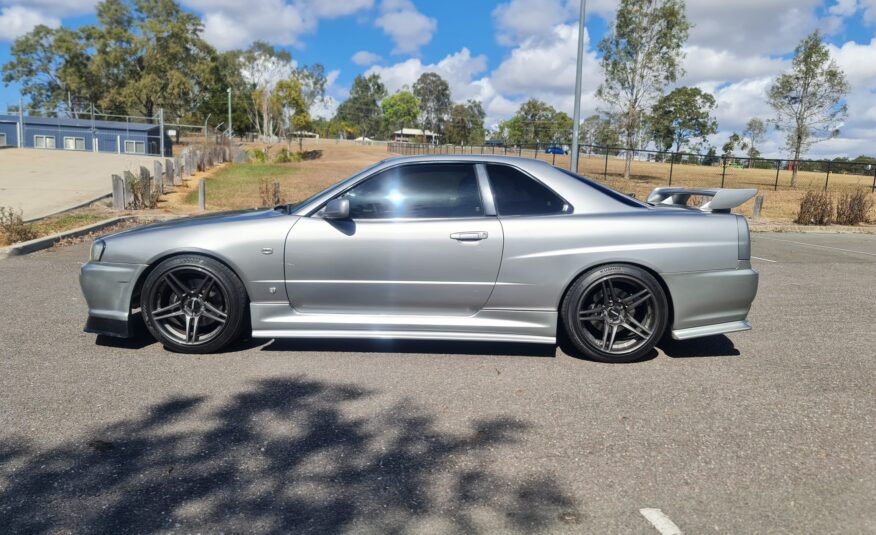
(144, 194)
(259, 156)
(13, 226)
(284, 156)
(853, 208)
(816, 208)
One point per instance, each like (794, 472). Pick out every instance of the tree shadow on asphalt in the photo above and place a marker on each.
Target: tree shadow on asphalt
(288, 455)
(709, 346)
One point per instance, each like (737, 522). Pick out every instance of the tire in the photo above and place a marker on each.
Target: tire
(194, 304)
(615, 313)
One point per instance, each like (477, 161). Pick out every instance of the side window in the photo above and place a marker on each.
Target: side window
(418, 191)
(517, 194)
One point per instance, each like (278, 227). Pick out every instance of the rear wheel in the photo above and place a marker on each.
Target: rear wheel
(193, 304)
(615, 313)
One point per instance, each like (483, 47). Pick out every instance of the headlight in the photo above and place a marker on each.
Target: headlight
(97, 250)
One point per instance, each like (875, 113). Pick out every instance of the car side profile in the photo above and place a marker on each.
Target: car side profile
(471, 248)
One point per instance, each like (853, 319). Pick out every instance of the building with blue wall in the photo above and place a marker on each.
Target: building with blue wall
(60, 133)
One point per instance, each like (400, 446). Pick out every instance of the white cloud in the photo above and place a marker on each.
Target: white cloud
(365, 58)
(232, 24)
(18, 20)
(709, 65)
(521, 19)
(408, 28)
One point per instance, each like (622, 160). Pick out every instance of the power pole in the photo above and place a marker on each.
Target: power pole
(576, 119)
(230, 131)
(161, 131)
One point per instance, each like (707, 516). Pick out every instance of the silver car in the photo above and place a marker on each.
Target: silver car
(474, 248)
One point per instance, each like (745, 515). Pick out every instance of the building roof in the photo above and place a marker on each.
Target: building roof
(79, 123)
(415, 132)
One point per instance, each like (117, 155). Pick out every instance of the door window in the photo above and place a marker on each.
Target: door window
(516, 193)
(418, 191)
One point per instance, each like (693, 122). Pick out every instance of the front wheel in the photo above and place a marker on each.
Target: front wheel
(194, 304)
(615, 313)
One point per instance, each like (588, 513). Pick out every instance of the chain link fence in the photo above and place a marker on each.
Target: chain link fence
(678, 168)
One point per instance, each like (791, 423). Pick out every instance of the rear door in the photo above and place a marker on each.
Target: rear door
(418, 241)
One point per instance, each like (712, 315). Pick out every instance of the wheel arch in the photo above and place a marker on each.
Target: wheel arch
(648, 269)
(155, 262)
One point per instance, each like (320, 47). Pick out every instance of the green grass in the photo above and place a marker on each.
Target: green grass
(64, 222)
(238, 184)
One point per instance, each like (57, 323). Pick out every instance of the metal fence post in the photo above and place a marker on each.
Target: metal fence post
(161, 131)
(827, 178)
(605, 171)
(873, 190)
(723, 170)
(671, 165)
(778, 168)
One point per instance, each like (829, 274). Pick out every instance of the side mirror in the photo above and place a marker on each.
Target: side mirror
(337, 209)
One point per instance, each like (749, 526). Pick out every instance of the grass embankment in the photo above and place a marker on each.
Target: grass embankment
(237, 185)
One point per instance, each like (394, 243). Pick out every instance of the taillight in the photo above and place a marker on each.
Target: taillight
(744, 238)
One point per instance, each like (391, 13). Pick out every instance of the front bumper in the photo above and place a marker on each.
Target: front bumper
(108, 289)
(711, 302)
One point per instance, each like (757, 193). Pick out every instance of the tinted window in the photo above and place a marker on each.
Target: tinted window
(626, 199)
(418, 191)
(517, 194)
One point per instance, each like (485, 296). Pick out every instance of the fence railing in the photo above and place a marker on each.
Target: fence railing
(679, 168)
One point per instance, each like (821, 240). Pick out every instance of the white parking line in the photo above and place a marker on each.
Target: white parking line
(660, 521)
(821, 246)
(764, 259)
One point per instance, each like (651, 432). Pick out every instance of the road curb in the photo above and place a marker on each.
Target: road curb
(45, 242)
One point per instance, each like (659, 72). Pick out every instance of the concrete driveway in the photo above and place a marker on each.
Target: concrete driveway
(42, 182)
(769, 431)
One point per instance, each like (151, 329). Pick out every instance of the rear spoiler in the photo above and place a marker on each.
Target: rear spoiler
(722, 200)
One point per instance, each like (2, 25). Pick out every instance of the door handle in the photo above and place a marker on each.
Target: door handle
(469, 236)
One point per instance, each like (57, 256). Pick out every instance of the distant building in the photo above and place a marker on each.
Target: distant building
(415, 135)
(83, 135)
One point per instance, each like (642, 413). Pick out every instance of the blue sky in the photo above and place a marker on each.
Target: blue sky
(505, 52)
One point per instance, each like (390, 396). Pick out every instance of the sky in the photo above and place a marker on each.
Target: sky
(504, 52)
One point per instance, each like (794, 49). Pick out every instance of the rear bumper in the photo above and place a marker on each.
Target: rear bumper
(711, 302)
(108, 289)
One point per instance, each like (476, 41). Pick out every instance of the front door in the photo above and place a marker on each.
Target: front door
(417, 242)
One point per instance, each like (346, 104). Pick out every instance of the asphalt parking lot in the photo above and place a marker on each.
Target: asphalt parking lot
(770, 431)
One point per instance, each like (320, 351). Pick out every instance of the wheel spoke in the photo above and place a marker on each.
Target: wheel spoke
(608, 342)
(593, 314)
(176, 286)
(637, 298)
(192, 328)
(205, 286)
(636, 328)
(214, 313)
(167, 312)
(606, 286)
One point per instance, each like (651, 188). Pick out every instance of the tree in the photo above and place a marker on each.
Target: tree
(536, 122)
(362, 108)
(808, 100)
(465, 126)
(729, 147)
(641, 54)
(399, 111)
(755, 134)
(434, 94)
(263, 66)
(683, 115)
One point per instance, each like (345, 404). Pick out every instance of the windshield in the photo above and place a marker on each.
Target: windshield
(616, 195)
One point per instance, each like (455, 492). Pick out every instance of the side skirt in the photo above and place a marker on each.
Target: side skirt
(276, 320)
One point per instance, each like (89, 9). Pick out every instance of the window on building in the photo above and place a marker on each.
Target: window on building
(44, 142)
(74, 143)
(135, 147)
(518, 194)
(2, 140)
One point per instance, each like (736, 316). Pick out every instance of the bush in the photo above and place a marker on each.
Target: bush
(816, 208)
(259, 156)
(144, 194)
(853, 208)
(13, 226)
(284, 156)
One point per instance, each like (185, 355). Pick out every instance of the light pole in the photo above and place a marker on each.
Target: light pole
(576, 119)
